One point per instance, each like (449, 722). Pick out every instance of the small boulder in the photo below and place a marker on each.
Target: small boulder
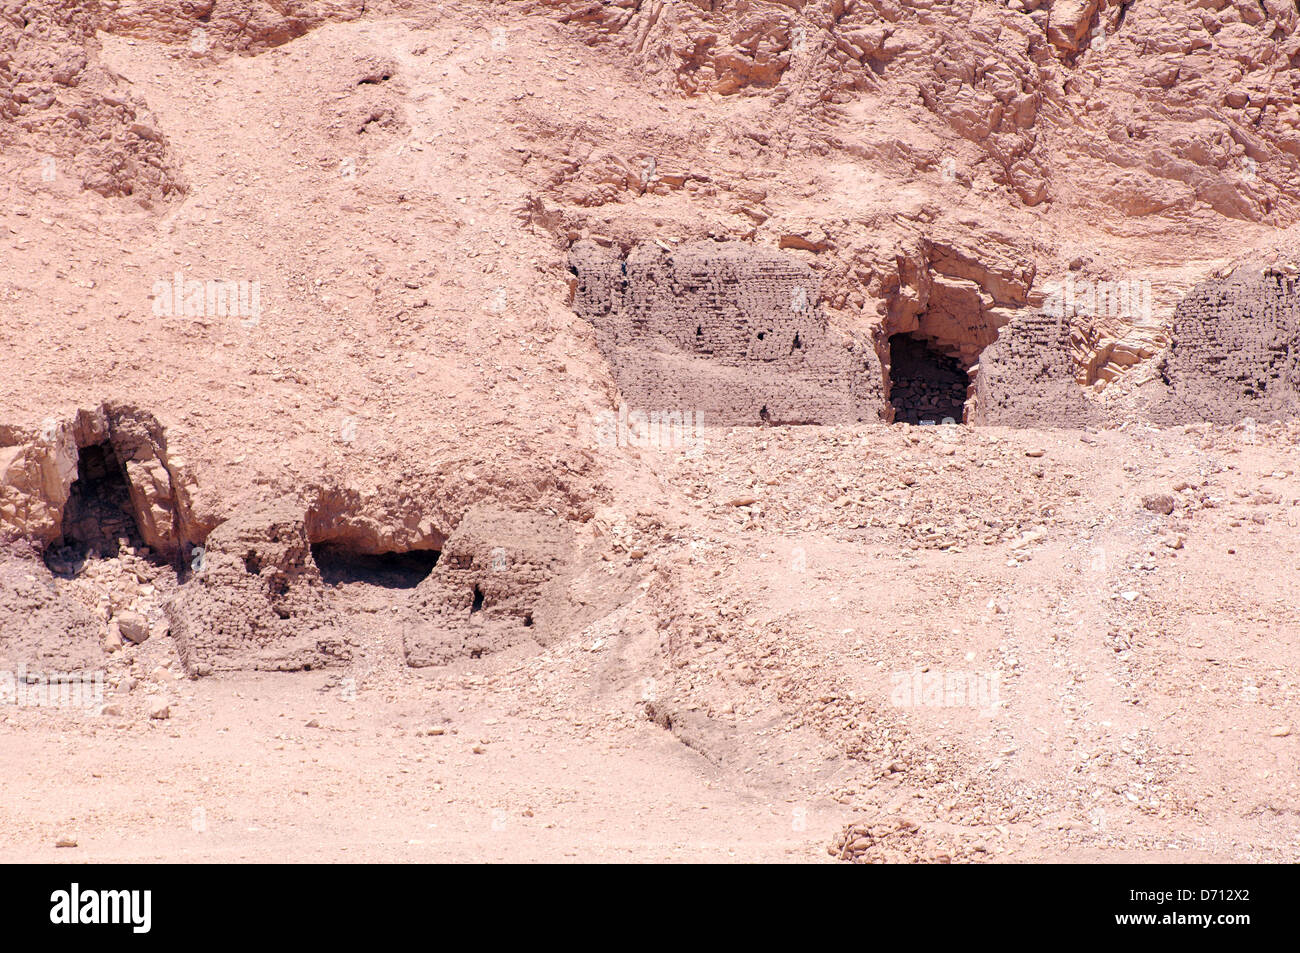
(1161, 503)
(133, 626)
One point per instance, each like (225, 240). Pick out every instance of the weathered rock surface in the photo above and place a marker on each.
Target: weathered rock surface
(64, 117)
(39, 468)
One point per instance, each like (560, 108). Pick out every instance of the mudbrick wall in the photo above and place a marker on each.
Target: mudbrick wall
(733, 332)
(39, 626)
(1234, 353)
(256, 599)
(1026, 378)
(491, 588)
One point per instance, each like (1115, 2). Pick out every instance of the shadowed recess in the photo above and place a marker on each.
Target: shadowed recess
(339, 564)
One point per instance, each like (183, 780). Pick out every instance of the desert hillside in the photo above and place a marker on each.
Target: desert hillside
(649, 430)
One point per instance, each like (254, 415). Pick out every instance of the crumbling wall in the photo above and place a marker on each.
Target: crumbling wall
(496, 585)
(924, 384)
(40, 628)
(256, 599)
(733, 332)
(1234, 352)
(1026, 378)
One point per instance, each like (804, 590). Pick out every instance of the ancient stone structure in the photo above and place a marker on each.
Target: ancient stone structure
(497, 584)
(1026, 378)
(731, 331)
(256, 599)
(1234, 352)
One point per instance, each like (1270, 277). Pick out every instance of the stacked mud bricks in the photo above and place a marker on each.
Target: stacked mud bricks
(1234, 354)
(730, 331)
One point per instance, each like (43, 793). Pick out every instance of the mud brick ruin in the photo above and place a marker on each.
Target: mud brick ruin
(734, 332)
(256, 599)
(1234, 353)
(1026, 378)
(491, 588)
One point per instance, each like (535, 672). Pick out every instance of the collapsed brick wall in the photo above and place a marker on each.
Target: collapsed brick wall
(40, 628)
(492, 587)
(733, 332)
(256, 600)
(1234, 353)
(1026, 378)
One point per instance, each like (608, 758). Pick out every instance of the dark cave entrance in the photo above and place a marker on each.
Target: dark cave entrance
(925, 384)
(98, 519)
(341, 564)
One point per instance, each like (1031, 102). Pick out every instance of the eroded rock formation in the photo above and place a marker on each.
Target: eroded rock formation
(39, 468)
(64, 116)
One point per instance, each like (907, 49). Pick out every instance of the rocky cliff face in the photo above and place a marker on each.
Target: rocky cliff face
(1135, 107)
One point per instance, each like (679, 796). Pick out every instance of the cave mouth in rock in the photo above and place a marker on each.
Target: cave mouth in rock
(98, 519)
(925, 384)
(340, 564)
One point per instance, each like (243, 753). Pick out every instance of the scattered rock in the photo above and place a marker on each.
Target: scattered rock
(133, 626)
(159, 710)
(1161, 503)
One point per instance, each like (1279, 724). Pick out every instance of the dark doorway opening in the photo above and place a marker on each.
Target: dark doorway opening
(340, 564)
(98, 519)
(925, 384)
